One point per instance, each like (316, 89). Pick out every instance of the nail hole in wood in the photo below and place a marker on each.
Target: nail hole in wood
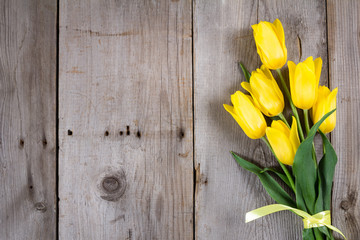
(121, 133)
(181, 133)
(138, 134)
(70, 133)
(44, 142)
(31, 187)
(128, 130)
(106, 133)
(21, 143)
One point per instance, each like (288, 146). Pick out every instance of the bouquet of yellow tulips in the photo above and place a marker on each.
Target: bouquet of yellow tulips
(310, 179)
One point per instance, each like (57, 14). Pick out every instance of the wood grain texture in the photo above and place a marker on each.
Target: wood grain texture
(126, 142)
(222, 38)
(27, 119)
(344, 47)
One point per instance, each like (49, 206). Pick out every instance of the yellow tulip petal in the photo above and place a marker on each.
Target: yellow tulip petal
(279, 31)
(278, 93)
(246, 86)
(230, 109)
(266, 72)
(254, 27)
(294, 135)
(249, 117)
(240, 121)
(235, 99)
(280, 125)
(332, 99)
(330, 104)
(319, 108)
(272, 54)
(265, 92)
(281, 145)
(304, 87)
(323, 92)
(325, 103)
(310, 63)
(292, 67)
(318, 65)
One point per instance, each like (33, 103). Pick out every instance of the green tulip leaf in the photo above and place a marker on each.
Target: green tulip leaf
(326, 231)
(308, 234)
(247, 74)
(279, 174)
(319, 204)
(270, 184)
(304, 170)
(326, 171)
(318, 235)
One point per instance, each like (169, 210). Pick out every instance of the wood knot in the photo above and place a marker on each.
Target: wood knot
(112, 185)
(40, 206)
(350, 201)
(345, 205)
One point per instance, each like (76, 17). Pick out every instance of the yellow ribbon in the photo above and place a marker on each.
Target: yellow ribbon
(310, 221)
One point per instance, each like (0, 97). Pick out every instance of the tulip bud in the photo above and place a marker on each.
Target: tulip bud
(304, 82)
(326, 102)
(265, 92)
(247, 115)
(270, 43)
(284, 141)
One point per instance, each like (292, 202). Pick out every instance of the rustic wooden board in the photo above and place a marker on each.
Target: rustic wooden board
(125, 134)
(223, 37)
(28, 119)
(344, 61)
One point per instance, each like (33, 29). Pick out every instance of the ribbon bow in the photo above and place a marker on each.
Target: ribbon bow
(310, 221)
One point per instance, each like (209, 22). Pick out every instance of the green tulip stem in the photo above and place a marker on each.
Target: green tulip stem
(293, 108)
(306, 119)
(282, 117)
(307, 126)
(286, 171)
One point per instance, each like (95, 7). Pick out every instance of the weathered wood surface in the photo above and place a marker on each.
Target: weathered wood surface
(27, 119)
(126, 142)
(344, 59)
(222, 38)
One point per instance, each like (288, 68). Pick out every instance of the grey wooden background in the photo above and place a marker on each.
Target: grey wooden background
(112, 125)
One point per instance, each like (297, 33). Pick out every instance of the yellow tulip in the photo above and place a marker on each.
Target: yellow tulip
(247, 115)
(304, 82)
(270, 43)
(284, 141)
(265, 92)
(325, 102)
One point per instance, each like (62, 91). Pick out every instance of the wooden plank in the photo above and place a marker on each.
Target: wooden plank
(223, 37)
(344, 61)
(28, 119)
(125, 131)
